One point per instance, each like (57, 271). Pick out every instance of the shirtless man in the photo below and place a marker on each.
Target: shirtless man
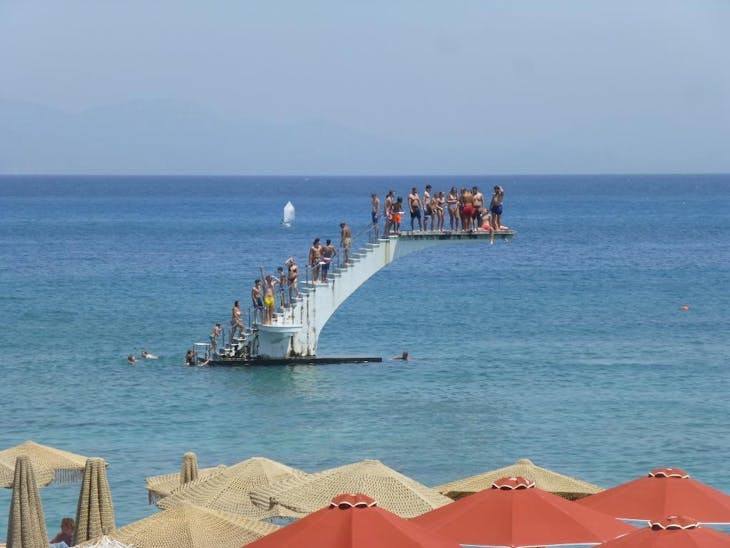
(414, 204)
(292, 279)
(315, 256)
(478, 206)
(495, 207)
(282, 285)
(345, 240)
(375, 215)
(236, 321)
(387, 211)
(428, 214)
(257, 300)
(328, 253)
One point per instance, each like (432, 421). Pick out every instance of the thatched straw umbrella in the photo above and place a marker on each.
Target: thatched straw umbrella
(26, 521)
(395, 492)
(229, 490)
(165, 485)
(43, 476)
(547, 480)
(68, 467)
(189, 526)
(189, 470)
(95, 512)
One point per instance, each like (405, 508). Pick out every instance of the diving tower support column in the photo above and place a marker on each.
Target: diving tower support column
(296, 331)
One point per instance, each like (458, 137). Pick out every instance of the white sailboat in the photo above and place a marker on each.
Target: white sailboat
(289, 214)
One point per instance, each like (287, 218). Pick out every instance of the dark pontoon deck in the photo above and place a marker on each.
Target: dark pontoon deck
(311, 360)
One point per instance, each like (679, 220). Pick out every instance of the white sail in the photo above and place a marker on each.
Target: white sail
(289, 214)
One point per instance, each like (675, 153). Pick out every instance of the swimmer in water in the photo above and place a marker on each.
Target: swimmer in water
(403, 357)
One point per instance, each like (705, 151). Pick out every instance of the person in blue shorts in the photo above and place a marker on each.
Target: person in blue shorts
(495, 208)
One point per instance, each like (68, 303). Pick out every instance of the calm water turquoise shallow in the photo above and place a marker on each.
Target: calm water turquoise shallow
(566, 345)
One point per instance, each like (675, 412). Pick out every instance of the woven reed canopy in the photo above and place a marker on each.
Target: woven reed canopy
(163, 486)
(95, 511)
(395, 492)
(26, 521)
(547, 480)
(189, 526)
(228, 490)
(67, 467)
(43, 476)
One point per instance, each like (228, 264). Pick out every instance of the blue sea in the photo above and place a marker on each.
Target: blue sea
(566, 345)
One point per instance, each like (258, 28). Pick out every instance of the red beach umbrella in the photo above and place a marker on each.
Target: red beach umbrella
(516, 513)
(664, 492)
(672, 532)
(353, 521)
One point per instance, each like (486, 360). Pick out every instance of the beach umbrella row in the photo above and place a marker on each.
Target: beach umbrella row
(514, 511)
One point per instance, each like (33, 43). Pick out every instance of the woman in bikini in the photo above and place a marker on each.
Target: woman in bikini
(452, 201)
(293, 277)
(439, 203)
(467, 209)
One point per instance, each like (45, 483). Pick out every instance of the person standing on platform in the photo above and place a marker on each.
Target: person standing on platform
(328, 253)
(214, 337)
(428, 214)
(414, 205)
(478, 206)
(315, 257)
(375, 215)
(345, 240)
(495, 207)
(269, 299)
(236, 321)
(452, 202)
(282, 284)
(257, 300)
(292, 279)
(387, 211)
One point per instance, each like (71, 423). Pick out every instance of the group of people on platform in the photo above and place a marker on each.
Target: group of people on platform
(285, 284)
(466, 210)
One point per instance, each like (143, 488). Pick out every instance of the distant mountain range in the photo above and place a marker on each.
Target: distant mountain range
(166, 137)
(159, 137)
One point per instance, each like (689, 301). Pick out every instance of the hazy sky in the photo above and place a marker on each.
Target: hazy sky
(371, 87)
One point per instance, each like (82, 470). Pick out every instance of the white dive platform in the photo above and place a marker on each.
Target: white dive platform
(295, 331)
